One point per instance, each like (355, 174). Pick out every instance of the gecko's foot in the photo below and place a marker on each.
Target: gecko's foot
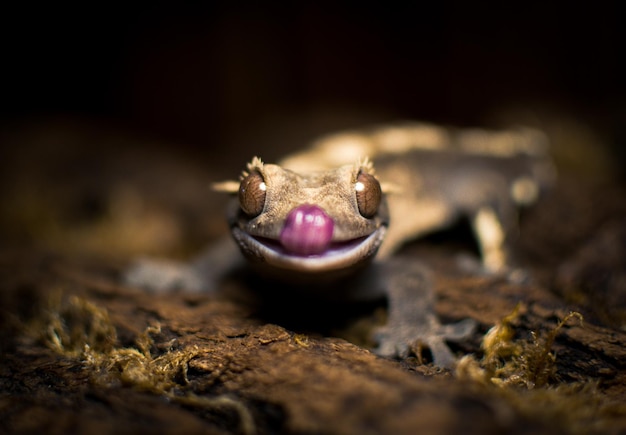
(413, 322)
(161, 276)
(399, 341)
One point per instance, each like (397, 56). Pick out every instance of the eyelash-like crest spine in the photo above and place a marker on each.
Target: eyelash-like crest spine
(256, 164)
(365, 165)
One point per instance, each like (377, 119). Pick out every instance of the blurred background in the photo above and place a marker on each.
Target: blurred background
(127, 112)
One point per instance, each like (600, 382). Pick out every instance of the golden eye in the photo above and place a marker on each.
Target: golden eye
(368, 194)
(252, 194)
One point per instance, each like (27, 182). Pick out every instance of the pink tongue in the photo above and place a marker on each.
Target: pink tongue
(307, 230)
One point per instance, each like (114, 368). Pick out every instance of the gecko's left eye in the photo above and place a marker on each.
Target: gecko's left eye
(368, 194)
(252, 192)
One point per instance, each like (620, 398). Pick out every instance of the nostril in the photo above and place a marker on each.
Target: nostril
(308, 230)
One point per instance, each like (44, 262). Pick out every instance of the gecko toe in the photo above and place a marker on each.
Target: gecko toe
(459, 330)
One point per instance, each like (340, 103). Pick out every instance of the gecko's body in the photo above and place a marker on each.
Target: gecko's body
(317, 219)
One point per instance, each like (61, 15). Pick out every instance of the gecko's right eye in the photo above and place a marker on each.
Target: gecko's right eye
(368, 194)
(252, 191)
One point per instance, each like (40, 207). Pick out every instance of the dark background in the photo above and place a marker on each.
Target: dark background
(206, 77)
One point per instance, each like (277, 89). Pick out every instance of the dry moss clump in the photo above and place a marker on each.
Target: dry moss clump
(511, 362)
(523, 371)
(76, 328)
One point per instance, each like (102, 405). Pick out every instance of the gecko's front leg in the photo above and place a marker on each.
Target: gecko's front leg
(163, 276)
(412, 321)
(202, 274)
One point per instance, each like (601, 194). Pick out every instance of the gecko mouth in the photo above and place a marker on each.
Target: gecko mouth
(338, 255)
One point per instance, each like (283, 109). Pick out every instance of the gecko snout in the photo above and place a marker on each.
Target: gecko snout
(307, 230)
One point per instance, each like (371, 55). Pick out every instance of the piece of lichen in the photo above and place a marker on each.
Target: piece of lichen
(77, 328)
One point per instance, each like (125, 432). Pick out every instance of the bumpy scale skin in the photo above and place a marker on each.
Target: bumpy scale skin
(316, 220)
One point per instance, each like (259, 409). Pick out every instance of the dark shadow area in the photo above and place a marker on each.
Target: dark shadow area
(216, 79)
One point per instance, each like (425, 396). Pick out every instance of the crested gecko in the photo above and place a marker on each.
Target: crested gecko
(326, 221)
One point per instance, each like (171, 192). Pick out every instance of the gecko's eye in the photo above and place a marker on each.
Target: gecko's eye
(368, 194)
(252, 192)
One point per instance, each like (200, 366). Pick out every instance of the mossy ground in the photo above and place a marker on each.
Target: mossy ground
(83, 353)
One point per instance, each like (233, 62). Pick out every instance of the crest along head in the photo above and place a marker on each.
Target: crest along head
(256, 164)
(233, 186)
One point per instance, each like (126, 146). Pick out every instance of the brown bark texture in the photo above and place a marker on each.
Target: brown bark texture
(82, 353)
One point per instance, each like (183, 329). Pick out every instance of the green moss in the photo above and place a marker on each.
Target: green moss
(77, 328)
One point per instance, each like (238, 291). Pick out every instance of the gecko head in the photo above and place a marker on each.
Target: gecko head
(327, 221)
